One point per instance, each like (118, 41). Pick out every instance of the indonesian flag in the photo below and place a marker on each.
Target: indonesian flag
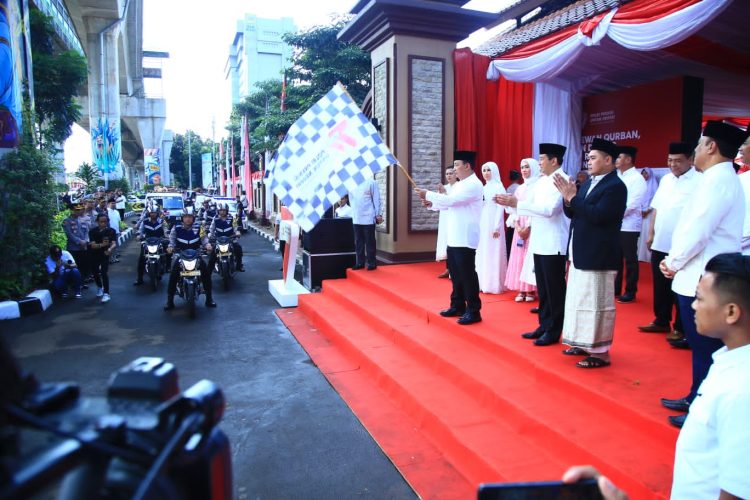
(248, 179)
(283, 93)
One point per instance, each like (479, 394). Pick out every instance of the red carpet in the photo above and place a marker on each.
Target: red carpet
(456, 406)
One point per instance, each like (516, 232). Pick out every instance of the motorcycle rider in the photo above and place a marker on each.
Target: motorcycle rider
(183, 237)
(226, 225)
(152, 227)
(208, 215)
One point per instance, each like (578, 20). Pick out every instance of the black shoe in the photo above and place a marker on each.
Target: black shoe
(533, 335)
(547, 339)
(451, 312)
(469, 319)
(371, 268)
(356, 267)
(137, 282)
(84, 287)
(534, 310)
(241, 269)
(681, 404)
(626, 298)
(210, 302)
(677, 420)
(679, 344)
(169, 305)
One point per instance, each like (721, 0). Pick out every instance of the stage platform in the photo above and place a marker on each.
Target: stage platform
(454, 406)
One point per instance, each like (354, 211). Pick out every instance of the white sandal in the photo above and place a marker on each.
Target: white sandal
(520, 297)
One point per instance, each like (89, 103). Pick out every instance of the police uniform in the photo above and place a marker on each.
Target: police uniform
(183, 238)
(77, 232)
(149, 229)
(225, 227)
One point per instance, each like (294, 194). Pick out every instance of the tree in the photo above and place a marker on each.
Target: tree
(57, 77)
(88, 174)
(319, 61)
(178, 159)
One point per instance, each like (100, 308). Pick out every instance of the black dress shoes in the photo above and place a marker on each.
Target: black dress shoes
(547, 339)
(210, 303)
(356, 266)
(679, 344)
(626, 298)
(655, 328)
(533, 335)
(451, 312)
(372, 268)
(681, 404)
(534, 310)
(169, 306)
(469, 319)
(677, 420)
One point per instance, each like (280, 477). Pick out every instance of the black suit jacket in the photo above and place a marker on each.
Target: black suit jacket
(595, 222)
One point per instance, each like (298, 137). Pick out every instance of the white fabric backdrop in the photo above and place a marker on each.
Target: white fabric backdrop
(558, 119)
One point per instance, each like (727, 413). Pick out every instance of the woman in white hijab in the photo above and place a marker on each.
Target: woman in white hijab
(530, 171)
(491, 261)
(652, 184)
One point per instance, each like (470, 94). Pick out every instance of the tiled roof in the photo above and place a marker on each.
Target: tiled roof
(554, 21)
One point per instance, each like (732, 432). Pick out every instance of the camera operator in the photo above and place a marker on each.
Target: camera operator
(63, 272)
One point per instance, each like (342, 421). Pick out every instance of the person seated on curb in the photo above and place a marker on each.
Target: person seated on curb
(63, 272)
(711, 459)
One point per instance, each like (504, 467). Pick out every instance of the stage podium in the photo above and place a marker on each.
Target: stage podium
(327, 251)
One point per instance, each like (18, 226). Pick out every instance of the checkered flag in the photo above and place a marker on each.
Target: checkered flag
(327, 152)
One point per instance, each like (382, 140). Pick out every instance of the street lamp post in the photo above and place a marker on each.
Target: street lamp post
(190, 164)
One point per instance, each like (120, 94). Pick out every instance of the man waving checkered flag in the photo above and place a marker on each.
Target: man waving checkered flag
(327, 152)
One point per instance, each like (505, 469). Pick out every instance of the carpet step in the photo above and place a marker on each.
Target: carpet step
(492, 425)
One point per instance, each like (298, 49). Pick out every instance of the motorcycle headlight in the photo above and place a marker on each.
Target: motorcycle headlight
(223, 248)
(189, 265)
(152, 248)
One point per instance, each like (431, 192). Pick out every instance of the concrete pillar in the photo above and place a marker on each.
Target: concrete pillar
(411, 47)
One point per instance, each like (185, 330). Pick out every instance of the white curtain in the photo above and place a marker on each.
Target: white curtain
(558, 119)
(652, 35)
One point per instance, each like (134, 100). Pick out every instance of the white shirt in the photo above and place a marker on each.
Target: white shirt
(51, 265)
(545, 207)
(745, 182)
(712, 450)
(465, 204)
(344, 211)
(671, 197)
(365, 202)
(114, 219)
(636, 184)
(709, 225)
(120, 202)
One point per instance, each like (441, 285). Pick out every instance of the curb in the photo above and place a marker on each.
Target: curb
(34, 303)
(41, 300)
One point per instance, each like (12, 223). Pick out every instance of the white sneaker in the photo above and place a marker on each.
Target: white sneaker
(105, 298)
(99, 292)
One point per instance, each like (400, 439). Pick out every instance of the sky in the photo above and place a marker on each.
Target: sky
(197, 35)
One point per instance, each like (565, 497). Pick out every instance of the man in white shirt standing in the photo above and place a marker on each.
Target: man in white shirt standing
(548, 243)
(631, 223)
(464, 205)
(675, 190)
(745, 181)
(365, 203)
(709, 225)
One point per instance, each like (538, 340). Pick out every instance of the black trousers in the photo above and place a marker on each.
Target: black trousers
(100, 268)
(364, 244)
(236, 251)
(82, 261)
(551, 288)
(508, 240)
(629, 245)
(664, 297)
(174, 275)
(462, 267)
(701, 347)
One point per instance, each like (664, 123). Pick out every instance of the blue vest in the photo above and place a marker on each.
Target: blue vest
(153, 229)
(187, 238)
(223, 227)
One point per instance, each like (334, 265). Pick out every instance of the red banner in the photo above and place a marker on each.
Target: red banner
(648, 117)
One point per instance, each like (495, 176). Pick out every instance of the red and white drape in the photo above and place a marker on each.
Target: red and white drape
(640, 25)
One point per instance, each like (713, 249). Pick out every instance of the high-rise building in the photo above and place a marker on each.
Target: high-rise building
(257, 53)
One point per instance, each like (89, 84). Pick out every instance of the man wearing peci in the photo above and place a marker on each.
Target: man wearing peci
(709, 225)
(631, 223)
(548, 243)
(596, 212)
(464, 205)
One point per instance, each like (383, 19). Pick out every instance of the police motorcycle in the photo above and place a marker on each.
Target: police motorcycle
(189, 284)
(145, 440)
(156, 265)
(225, 263)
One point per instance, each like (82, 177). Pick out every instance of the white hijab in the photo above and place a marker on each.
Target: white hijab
(495, 172)
(536, 171)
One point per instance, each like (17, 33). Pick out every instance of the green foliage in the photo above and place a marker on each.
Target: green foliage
(25, 218)
(88, 175)
(57, 237)
(57, 78)
(114, 184)
(320, 60)
(178, 158)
